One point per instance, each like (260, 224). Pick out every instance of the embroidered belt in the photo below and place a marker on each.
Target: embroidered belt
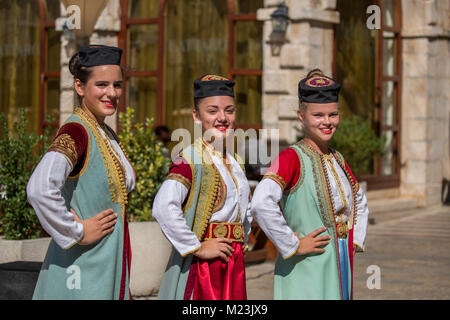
(342, 228)
(230, 230)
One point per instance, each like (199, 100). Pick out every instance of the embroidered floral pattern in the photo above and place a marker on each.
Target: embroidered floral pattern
(66, 145)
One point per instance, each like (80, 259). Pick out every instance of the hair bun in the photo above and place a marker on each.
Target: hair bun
(74, 64)
(315, 73)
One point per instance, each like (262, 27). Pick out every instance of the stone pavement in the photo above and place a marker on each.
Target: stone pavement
(409, 248)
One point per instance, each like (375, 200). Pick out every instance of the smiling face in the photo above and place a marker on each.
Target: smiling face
(217, 113)
(101, 93)
(320, 121)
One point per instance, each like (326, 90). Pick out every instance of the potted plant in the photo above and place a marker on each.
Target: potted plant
(150, 249)
(22, 239)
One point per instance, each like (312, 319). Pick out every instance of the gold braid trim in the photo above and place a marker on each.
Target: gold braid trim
(65, 145)
(117, 160)
(323, 192)
(180, 178)
(116, 180)
(221, 195)
(275, 177)
(208, 188)
(212, 192)
(322, 184)
(361, 249)
(120, 145)
(354, 185)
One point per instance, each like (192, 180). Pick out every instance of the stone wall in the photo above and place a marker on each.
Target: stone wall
(105, 32)
(308, 44)
(425, 129)
(425, 99)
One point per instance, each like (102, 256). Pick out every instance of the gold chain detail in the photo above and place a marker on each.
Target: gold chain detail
(342, 226)
(208, 187)
(116, 179)
(342, 196)
(114, 151)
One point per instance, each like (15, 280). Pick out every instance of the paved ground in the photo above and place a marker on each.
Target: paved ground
(411, 250)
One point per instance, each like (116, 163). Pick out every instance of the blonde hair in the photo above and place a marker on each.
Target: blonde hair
(313, 73)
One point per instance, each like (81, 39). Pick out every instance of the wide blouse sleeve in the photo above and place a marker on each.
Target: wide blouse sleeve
(282, 175)
(362, 215)
(167, 208)
(65, 156)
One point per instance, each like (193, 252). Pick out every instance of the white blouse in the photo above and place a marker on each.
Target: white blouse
(267, 213)
(167, 206)
(44, 195)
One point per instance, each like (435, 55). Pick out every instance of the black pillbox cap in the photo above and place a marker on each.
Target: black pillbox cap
(212, 85)
(318, 89)
(99, 55)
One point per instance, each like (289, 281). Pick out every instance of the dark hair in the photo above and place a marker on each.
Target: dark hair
(77, 70)
(197, 103)
(160, 129)
(315, 72)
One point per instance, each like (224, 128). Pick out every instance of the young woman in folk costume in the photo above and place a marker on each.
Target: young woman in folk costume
(203, 206)
(80, 187)
(323, 216)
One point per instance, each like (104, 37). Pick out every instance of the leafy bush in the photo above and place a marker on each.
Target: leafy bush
(19, 153)
(358, 143)
(147, 156)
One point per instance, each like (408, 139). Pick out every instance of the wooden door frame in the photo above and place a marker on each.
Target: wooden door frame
(377, 181)
(44, 75)
(126, 21)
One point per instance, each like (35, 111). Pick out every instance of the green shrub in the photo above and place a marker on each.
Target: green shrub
(358, 143)
(19, 154)
(151, 166)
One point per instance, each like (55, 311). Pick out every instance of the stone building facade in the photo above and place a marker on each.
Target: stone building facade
(309, 42)
(425, 99)
(425, 77)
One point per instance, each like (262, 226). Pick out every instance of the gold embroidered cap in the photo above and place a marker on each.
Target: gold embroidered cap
(318, 89)
(211, 85)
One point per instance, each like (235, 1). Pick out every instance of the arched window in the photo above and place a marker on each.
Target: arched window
(170, 43)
